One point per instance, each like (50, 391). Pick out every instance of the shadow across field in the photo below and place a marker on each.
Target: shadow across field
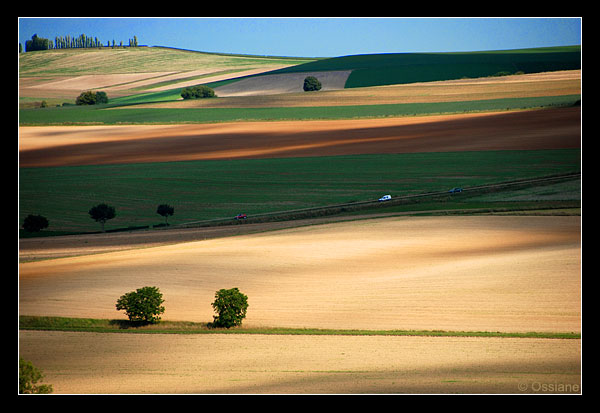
(526, 130)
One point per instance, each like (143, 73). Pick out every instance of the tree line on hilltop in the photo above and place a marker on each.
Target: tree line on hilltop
(71, 42)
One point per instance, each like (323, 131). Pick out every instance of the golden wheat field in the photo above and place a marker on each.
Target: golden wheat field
(487, 273)
(97, 363)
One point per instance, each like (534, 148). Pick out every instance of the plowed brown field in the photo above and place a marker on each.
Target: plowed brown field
(84, 145)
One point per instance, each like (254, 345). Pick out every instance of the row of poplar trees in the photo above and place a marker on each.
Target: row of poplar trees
(69, 42)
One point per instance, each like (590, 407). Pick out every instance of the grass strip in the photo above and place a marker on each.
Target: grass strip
(96, 115)
(187, 327)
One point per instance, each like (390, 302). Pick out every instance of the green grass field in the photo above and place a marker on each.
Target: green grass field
(202, 190)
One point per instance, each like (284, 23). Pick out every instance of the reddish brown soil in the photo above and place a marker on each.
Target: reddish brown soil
(86, 145)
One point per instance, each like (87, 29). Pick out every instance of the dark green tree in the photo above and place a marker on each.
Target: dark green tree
(101, 97)
(29, 376)
(166, 211)
(86, 98)
(311, 83)
(36, 43)
(102, 213)
(231, 306)
(142, 305)
(197, 92)
(91, 98)
(35, 223)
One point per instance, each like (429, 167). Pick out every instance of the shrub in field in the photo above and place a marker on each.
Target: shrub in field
(311, 83)
(142, 305)
(102, 213)
(91, 98)
(197, 92)
(166, 211)
(231, 306)
(29, 376)
(35, 223)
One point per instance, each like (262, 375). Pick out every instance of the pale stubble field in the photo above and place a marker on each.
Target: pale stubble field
(484, 273)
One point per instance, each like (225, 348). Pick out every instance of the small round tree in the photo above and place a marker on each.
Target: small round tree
(311, 83)
(102, 213)
(166, 211)
(101, 97)
(35, 223)
(231, 306)
(142, 305)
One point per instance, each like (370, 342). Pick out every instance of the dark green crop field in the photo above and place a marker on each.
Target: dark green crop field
(202, 190)
(398, 68)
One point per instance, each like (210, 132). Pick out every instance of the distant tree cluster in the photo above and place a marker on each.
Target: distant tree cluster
(37, 43)
(91, 98)
(71, 42)
(197, 92)
(80, 42)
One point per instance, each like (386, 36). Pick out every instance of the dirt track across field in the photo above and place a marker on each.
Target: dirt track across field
(86, 145)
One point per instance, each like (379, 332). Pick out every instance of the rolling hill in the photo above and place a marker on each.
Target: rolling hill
(400, 68)
(151, 130)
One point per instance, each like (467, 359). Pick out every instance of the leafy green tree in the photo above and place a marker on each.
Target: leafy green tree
(86, 98)
(101, 97)
(36, 43)
(231, 306)
(197, 92)
(91, 98)
(29, 376)
(311, 83)
(142, 305)
(102, 213)
(166, 211)
(35, 223)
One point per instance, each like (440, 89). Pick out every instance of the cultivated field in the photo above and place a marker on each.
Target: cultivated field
(63, 74)
(452, 273)
(449, 273)
(93, 363)
(88, 145)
